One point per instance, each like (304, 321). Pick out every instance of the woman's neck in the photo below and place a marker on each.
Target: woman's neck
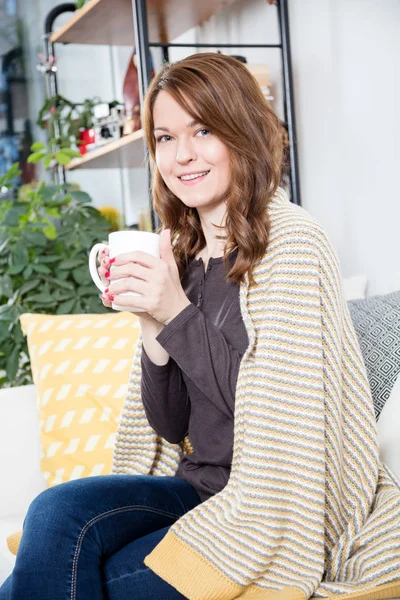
(214, 247)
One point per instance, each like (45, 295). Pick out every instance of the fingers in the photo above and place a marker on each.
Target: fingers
(104, 266)
(128, 270)
(143, 258)
(131, 303)
(105, 300)
(128, 284)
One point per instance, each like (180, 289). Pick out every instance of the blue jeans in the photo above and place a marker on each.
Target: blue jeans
(87, 539)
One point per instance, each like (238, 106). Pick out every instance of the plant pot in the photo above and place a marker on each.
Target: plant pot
(86, 138)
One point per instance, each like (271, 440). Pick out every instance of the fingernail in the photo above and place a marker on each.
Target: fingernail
(111, 298)
(107, 275)
(112, 260)
(106, 291)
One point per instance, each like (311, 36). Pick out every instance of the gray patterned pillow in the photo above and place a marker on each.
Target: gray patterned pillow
(377, 324)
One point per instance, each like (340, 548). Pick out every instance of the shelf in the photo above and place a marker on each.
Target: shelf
(110, 22)
(127, 152)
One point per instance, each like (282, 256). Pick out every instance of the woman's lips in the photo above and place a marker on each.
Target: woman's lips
(194, 180)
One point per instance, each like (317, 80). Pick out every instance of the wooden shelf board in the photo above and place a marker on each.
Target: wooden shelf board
(127, 152)
(110, 22)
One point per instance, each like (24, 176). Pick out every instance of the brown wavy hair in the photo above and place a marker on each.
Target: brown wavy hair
(219, 92)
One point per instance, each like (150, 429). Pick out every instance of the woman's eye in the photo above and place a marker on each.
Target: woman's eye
(203, 132)
(163, 138)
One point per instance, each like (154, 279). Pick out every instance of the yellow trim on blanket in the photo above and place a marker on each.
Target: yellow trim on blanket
(254, 592)
(189, 572)
(197, 579)
(381, 592)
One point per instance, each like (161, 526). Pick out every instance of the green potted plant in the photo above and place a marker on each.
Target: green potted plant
(57, 117)
(52, 155)
(45, 238)
(68, 123)
(82, 128)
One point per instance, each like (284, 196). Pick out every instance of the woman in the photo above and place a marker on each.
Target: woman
(248, 347)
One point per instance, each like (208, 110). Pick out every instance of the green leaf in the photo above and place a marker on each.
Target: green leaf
(41, 269)
(62, 158)
(37, 146)
(6, 286)
(50, 231)
(11, 218)
(14, 270)
(47, 161)
(42, 298)
(66, 307)
(66, 285)
(60, 295)
(36, 157)
(20, 255)
(28, 286)
(71, 153)
(95, 305)
(4, 333)
(88, 290)
(82, 276)
(12, 173)
(17, 335)
(35, 238)
(70, 264)
(48, 259)
(81, 197)
(62, 275)
(12, 363)
(53, 212)
(27, 272)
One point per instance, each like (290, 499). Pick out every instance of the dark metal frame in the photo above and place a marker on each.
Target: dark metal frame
(143, 59)
(9, 78)
(51, 76)
(143, 46)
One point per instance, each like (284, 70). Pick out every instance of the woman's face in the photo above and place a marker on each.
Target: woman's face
(193, 162)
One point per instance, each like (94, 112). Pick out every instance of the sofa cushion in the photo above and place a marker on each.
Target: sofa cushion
(389, 431)
(354, 287)
(377, 324)
(19, 451)
(80, 366)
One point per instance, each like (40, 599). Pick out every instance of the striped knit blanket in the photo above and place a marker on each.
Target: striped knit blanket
(308, 511)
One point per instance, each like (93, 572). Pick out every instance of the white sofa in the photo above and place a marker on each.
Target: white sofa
(21, 479)
(20, 476)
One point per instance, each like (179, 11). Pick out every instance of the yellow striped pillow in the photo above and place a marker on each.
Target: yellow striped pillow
(80, 367)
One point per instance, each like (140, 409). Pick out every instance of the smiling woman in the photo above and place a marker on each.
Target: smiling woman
(246, 452)
(193, 162)
(207, 114)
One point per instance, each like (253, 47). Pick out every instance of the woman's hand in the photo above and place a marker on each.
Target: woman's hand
(156, 279)
(102, 270)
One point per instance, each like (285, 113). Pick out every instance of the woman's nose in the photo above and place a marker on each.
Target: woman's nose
(185, 152)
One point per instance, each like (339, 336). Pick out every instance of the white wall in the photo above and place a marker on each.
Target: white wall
(346, 67)
(346, 56)
(346, 63)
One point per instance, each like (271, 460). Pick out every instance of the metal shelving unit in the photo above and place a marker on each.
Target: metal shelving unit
(151, 24)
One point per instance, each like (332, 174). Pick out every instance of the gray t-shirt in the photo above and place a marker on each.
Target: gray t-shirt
(194, 393)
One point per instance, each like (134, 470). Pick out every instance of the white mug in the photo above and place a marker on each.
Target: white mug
(120, 242)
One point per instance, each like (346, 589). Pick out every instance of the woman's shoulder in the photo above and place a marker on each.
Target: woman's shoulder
(290, 221)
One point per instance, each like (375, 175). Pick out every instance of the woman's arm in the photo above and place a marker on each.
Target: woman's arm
(165, 399)
(164, 394)
(201, 351)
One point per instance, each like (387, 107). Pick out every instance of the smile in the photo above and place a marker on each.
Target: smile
(193, 176)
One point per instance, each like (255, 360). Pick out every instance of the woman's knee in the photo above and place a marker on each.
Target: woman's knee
(57, 505)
